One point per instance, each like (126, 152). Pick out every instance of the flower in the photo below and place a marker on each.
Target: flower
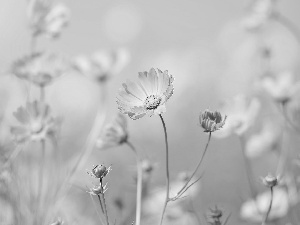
(114, 134)
(211, 121)
(36, 123)
(241, 112)
(97, 190)
(270, 181)
(255, 210)
(265, 140)
(47, 18)
(40, 68)
(281, 87)
(213, 216)
(149, 96)
(99, 171)
(261, 11)
(102, 65)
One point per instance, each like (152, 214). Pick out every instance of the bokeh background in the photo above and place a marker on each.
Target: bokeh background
(202, 43)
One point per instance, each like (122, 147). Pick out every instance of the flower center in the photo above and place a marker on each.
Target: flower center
(152, 102)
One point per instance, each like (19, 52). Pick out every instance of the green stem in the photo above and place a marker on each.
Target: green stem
(183, 189)
(167, 171)
(269, 209)
(139, 185)
(104, 204)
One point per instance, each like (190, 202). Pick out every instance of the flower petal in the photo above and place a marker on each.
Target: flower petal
(135, 90)
(152, 76)
(145, 83)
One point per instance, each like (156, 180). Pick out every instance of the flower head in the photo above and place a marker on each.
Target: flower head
(149, 96)
(39, 68)
(36, 123)
(114, 134)
(241, 112)
(47, 18)
(102, 65)
(211, 121)
(99, 171)
(270, 181)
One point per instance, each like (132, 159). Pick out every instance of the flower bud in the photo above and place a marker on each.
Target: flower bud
(270, 181)
(211, 121)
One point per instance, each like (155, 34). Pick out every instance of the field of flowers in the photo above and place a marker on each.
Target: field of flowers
(149, 112)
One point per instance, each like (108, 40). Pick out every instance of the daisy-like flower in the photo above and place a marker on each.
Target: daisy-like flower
(281, 87)
(148, 97)
(241, 112)
(99, 171)
(270, 180)
(102, 65)
(40, 68)
(46, 18)
(114, 134)
(211, 121)
(261, 11)
(255, 210)
(36, 123)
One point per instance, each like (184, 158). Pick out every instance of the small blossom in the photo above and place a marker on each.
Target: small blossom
(40, 68)
(36, 123)
(102, 65)
(241, 112)
(281, 87)
(148, 97)
(114, 134)
(97, 190)
(255, 210)
(261, 11)
(213, 216)
(99, 171)
(211, 121)
(47, 18)
(270, 181)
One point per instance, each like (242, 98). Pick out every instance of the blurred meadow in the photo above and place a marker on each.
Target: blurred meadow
(215, 50)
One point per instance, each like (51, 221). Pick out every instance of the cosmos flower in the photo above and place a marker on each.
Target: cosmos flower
(36, 123)
(211, 121)
(102, 64)
(241, 112)
(40, 68)
(261, 11)
(281, 87)
(46, 18)
(265, 140)
(270, 180)
(114, 134)
(255, 210)
(148, 97)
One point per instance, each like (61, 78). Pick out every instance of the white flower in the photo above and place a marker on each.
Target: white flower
(255, 211)
(241, 113)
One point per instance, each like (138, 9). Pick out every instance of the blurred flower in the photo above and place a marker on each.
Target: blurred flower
(147, 97)
(265, 140)
(99, 171)
(211, 121)
(260, 12)
(270, 181)
(46, 18)
(97, 190)
(213, 216)
(281, 87)
(102, 65)
(40, 68)
(241, 112)
(114, 134)
(58, 222)
(36, 123)
(255, 210)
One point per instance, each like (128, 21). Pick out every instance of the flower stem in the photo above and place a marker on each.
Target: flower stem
(139, 185)
(269, 209)
(184, 188)
(167, 171)
(104, 204)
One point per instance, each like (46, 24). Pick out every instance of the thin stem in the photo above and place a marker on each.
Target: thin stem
(100, 203)
(167, 171)
(104, 204)
(269, 209)
(139, 185)
(183, 189)
(96, 209)
(42, 94)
